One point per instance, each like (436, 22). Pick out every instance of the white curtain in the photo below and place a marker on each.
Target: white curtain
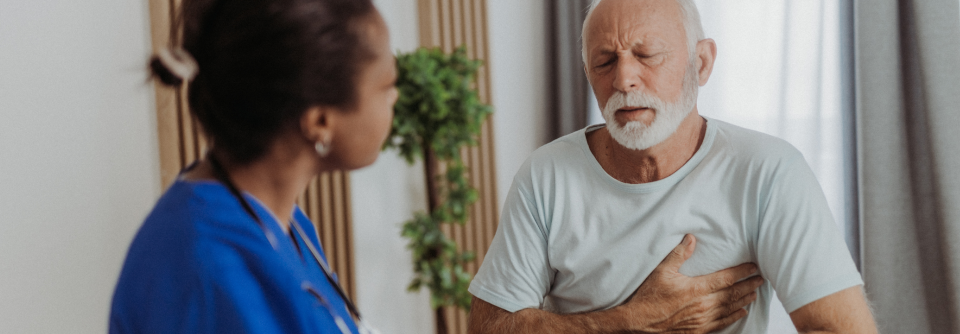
(780, 71)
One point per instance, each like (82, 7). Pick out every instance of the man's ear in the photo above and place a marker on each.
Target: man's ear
(317, 124)
(706, 58)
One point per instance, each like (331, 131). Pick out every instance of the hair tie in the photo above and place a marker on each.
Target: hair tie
(179, 62)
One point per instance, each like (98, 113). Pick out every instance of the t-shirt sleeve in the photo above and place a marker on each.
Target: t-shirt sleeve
(515, 273)
(800, 250)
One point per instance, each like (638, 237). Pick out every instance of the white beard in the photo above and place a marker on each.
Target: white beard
(636, 135)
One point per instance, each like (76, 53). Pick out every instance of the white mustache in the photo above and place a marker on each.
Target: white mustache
(635, 99)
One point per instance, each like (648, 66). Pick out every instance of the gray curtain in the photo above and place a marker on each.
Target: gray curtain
(848, 78)
(908, 126)
(569, 89)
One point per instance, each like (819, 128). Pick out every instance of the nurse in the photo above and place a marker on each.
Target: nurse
(284, 89)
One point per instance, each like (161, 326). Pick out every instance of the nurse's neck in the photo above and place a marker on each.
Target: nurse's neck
(277, 179)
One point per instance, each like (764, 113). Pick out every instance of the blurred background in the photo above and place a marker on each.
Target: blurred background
(80, 156)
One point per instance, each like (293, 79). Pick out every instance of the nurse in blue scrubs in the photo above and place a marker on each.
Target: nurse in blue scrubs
(284, 89)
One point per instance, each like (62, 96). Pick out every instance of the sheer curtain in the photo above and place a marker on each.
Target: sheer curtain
(779, 72)
(782, 70)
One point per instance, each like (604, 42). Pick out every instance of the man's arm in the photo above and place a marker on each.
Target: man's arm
(842, 312)
(666, 302)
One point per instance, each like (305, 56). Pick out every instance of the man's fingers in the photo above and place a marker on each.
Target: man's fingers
(736, 297)
(744, 288)
(729, 301)
(740, 303)
(679, 255)
(725, 278)
(727, 321)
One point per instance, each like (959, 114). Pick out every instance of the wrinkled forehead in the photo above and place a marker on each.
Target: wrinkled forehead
(635, 21)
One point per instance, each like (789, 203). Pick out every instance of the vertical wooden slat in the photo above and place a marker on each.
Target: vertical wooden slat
(328, 206)
(472, 243)
(455, 29)
(348, 238)
(456, 23)
(429, 11)
(462, 321)
(183, 143)
(448, 24)
(463, 27)
(161, 18)
(302, 202)
(188, 134)
(451, 319)
(469, 28)
(493, 210)
(446, 31)
(326, 212)
(489, 160)
(480, 43)
(339, 247)
(458, 230)
(313, 205)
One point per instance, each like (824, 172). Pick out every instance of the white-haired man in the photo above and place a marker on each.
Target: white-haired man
(591, 215)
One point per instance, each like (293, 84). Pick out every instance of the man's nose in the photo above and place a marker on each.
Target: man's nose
(628, 74)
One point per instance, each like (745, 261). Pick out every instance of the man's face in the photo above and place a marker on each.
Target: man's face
(638, 60)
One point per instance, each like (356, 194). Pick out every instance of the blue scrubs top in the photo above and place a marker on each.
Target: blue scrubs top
(201, 264)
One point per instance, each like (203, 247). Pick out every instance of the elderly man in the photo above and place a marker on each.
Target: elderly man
(591, 215)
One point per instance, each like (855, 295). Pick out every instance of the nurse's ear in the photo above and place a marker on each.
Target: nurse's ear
(317, 126)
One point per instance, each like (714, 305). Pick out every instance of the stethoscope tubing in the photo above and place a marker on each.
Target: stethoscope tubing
(224, 178)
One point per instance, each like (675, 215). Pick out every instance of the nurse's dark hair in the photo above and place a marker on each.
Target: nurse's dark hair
(263, 63)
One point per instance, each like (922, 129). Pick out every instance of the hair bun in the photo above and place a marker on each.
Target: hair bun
(174, 66)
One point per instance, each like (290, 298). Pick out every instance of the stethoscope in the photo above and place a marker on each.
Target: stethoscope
(222, 176)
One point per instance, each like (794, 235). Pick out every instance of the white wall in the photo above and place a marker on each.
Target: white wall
(384, 196)
(78, 158)
(518, 65)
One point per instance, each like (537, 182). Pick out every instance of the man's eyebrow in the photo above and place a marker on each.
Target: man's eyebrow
(651, 43)
(646, 44)
(604, 50)
(601, 51)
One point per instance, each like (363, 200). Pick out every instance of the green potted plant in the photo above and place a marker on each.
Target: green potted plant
(437, 114)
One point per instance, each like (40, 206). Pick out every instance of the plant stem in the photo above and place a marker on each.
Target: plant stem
(431, 167)
(441, 321)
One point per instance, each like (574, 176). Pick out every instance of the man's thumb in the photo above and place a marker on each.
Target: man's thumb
(680, 254)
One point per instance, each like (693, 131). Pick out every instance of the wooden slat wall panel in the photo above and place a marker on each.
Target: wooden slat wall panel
(448, 24)
(326, 201)
(168, 132)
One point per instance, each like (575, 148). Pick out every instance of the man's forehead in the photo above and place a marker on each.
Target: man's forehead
(636, 19)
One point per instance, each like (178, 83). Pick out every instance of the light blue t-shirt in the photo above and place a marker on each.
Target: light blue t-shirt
(574, 239)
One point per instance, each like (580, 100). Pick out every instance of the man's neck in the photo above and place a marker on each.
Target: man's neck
(655, 163)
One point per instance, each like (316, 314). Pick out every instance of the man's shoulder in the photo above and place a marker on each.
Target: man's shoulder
(567, 151)
(562, 147)
(752, 146)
